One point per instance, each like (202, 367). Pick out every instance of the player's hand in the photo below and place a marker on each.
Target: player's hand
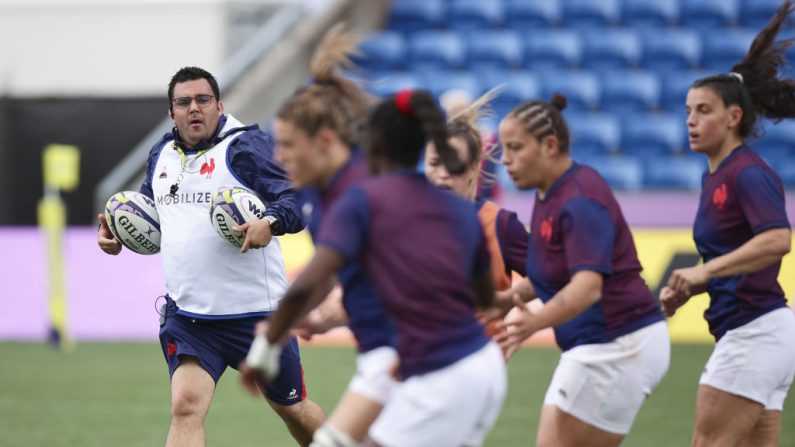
(107, 242)
(671, 300)
(689, 281)
(258, 234)
(262, 361)
(518, 326)
(315, 323)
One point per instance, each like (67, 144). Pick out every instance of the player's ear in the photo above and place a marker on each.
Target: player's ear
(550, 145)
(326, 137)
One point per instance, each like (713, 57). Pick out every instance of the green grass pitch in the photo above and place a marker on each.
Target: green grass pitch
(117, 394)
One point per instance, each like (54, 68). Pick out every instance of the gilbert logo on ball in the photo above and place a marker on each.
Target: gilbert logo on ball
(232, 206)
(133, 220)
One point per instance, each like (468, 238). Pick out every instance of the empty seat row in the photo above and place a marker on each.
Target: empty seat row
(409, 15)
(616, 91)
(594, 49)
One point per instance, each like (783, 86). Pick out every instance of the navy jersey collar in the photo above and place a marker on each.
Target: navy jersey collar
(555, 186)
(727, 160)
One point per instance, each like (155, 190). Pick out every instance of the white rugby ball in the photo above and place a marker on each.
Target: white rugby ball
(133, 220)
(232, 206)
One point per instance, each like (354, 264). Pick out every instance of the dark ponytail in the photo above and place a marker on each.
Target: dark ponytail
(753, 83)
(402, 124)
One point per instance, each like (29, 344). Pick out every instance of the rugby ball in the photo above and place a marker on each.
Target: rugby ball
(133, 220)
(232, 206)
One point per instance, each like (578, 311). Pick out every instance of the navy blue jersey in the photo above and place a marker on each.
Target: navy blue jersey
(741, 199)
(579, 226)
(422, 247)
(367, 320)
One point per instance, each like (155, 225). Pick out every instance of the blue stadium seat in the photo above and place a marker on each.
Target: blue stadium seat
(475, 14)
(626, 92)
(671, 49)
(436, 50)
(614, 48)
(523, 15)
(590, 13)
(593, 134)
(500, 49)
(582, 89)
(732, 46)
(517, 87)
(756, 13)
(621, 173)
(649, 13)
(386, 50)
(777, 139)
(675, 86)
(652, 134)
(553, 49)
(412, 15)
(439, 81)
(678, 172)
(700, 14)
(387, 83)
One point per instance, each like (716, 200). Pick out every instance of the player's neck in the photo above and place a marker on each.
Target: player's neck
(728, 146)
(339, 154)
(556, 171)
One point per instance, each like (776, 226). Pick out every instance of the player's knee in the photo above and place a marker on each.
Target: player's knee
(188, 405)
(328, 436)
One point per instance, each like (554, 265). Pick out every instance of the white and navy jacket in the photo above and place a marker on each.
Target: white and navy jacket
(206, 276)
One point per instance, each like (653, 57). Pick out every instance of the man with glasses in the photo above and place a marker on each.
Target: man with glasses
(216, 292)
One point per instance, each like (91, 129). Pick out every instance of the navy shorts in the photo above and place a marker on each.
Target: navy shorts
(221, 343)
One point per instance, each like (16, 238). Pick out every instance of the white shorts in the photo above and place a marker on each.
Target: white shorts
(373, 377)
(605, 384)
(755, 361)
(454, 406)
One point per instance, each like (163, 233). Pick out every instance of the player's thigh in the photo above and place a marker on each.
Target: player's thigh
(192, 388)
(723, 418)
(558, 429)
(354, 414)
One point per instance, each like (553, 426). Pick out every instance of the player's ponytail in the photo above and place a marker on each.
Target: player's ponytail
(331, 100)
(542, 119)
(402, 124)
(464, 125)
(753, 83)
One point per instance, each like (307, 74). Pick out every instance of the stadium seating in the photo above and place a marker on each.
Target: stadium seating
(721, 54)
(716, 14)
(593, 134)
(500, 49)
(581, 88)
(475, 14)
(553, 49)
(437, 50)
(625, 66)
(590, 14)
(680, 172)
(650, 13)
(517, 86)
(384, 51)
(622, 173)
(524, 15)
(653, 134)
(413, 15)
(671, 49)
(756, 13)
(611, 49)
(625, 92)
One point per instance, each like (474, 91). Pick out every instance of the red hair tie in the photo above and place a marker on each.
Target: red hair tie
(402, 102)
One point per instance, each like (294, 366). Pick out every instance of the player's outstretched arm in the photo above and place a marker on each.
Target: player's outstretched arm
(107, 242)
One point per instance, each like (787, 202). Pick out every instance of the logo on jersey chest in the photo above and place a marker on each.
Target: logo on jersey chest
(207, 168)
(547, 228)
(719, 196)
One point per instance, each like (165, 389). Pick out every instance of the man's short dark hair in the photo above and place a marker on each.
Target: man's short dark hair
(191, 74)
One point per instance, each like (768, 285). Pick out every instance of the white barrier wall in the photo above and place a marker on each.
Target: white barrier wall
(105, 48)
